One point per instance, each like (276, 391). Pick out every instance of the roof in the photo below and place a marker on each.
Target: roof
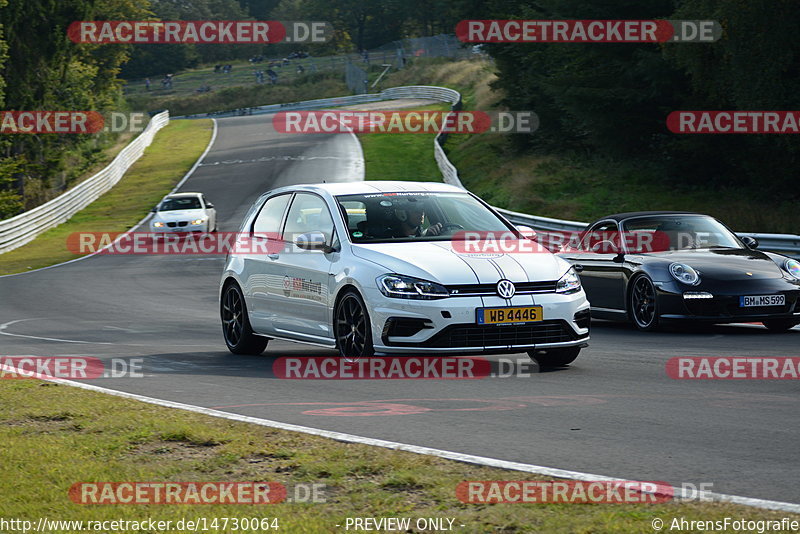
(375, 186)
(184, 194)
(631, 214)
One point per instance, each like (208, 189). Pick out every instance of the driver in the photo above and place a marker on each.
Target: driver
(411, 220)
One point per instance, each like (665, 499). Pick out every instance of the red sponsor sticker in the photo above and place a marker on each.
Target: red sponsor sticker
(734, 122)
(563, 492)
(733, 368)
(390, 122)
(176, 31)
(50, 122)
(381, 368)
(177, 492)
(63, 367)
(564, 31)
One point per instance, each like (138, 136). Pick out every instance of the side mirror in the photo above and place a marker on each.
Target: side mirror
(750, 241)
(527, 232)
(154, 210)
(209, 205)
(312, 241)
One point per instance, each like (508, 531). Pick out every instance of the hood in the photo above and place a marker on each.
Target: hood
(438, 262)
(727, 263)
(180, 215)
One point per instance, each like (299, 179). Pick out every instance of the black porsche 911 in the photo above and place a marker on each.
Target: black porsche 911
(649, 267)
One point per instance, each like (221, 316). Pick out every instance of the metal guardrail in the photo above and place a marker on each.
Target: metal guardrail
(21, 229)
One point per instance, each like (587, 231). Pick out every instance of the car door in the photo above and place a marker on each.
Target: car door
(211, 212)
(598, 260)
(304, 308)
(262, 273)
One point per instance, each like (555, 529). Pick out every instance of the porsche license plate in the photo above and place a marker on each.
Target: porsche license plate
(514, 314)
(755, 301)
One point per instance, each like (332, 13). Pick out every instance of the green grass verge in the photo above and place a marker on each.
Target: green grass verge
(173, 152)
(401, 156)
(54, 436)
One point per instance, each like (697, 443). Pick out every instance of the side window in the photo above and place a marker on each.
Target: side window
(603, 238)
(308, 213)
(270, 217)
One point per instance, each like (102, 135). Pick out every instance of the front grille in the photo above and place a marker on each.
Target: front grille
(523, 288)
(171, 224)
(183, 223)
(556, 331)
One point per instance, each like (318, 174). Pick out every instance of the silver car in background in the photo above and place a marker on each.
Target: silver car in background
(376, 268)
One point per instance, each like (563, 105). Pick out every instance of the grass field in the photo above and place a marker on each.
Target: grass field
(173, 152)
(401, 156)
(55, 436)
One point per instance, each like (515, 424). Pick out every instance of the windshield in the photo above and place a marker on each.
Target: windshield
(188, 203)
(415, 216)
(684, 232)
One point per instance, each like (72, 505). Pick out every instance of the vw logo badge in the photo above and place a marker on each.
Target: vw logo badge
(506, 289)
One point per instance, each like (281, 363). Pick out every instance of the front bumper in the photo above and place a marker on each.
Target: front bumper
(724, 306)
(449, 325)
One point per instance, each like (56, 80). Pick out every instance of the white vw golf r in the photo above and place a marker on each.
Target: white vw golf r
(376, 268)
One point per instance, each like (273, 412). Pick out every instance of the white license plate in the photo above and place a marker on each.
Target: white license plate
(755, 301)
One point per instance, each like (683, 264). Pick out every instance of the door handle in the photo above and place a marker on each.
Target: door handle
(273, 256)
(578, 267)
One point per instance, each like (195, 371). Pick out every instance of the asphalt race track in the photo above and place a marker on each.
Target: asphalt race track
(615, 412)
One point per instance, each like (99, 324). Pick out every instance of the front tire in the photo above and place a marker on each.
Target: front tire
(643, 304)
(352, 328)
(555, 357)
(780, 325)
(239, 336)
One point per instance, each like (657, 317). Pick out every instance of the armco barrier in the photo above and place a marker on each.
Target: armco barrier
(18, 230)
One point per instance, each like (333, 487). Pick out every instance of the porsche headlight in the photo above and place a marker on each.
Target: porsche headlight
(569, 283)
(792, 267)
(683, 273)
(407, 287)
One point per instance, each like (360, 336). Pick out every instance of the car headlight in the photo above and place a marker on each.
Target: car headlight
(569, 283)
(792, 267)
(199, 221)
(158, 224)
(407, 287)
(683, 273)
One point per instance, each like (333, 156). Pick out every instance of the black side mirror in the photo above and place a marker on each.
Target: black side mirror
(750, 241)
(154, 210)
(619, 258)
(209, 205)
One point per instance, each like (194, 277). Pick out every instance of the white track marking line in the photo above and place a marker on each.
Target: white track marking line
(142, 221)
(417, 449)
(6, 325)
